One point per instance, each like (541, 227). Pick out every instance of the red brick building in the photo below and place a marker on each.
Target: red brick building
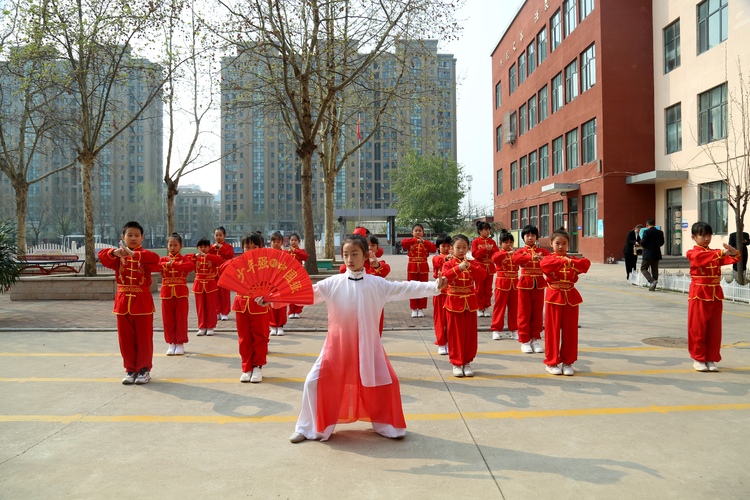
(573, 117)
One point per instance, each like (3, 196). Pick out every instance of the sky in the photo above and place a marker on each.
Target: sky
(483, 23)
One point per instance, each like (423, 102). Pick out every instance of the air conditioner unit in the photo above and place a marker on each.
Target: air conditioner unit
(510, 137)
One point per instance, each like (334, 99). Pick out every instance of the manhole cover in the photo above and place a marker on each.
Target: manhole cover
(674, 342)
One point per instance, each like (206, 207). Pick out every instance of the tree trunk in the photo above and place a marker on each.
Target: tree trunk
(86, 159)
(311, 265)
(21, 188)
(740, 228)
(171, 194)
(330, 183)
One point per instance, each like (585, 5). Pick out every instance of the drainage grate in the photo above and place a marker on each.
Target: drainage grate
(673, 342)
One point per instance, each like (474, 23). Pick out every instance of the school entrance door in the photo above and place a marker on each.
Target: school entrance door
(674, 222)
(573, 224)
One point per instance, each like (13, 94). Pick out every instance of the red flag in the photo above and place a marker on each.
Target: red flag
(359, 131)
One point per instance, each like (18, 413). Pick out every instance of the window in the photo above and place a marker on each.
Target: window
(499, 188)
(521, 68)
(586, 7)
(531, 56)
(543, 104)
(673, 119)
(557, 92)
(532, 112)
(571, 20)
(589, 215)
(522, 125)
(543, 220)
(498, 95)
(588, 136)
(557, 214)
(512, 77)
(533, 168)
(543, 162)
(513, 176)
(571, 144)
(571, 81)
(713, 24)
(541, 45)
(555, 31)
(672, 46)
(557, 156)
(712, 114)
(524, 172)
(588, 68)
(499, 137)
(714, 207)
(534, 216)
(524, 217)
(514, 219)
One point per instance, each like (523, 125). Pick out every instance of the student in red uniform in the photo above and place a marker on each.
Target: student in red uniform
(301, 255)
(174, 296)
(561, 304)
(226, 252)
(705, 296)
(461, 306)
(418, 249)
(506, 291)
(483, 247)
(443, 243)
(277, 317)
(252, 324)
(204, 287)
(134, 305)
(531, 287)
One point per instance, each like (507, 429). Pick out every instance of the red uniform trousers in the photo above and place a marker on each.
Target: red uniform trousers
(223, 302)
(277, 317)
(136, 335)
(704, 330)
(252, 330)
(505, 299)
(530, 309)
(484, 287)
(174, 314)
(441, 326)
(561, 334)
(418, 303)
(462, 336)
(205, 306)
(295, 309)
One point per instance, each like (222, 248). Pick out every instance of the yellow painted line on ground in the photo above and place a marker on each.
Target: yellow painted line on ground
(488, 415)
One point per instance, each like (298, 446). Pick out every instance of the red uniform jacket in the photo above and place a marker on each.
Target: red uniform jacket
(461, 294)
(174, 277)
(705, 272)
(382, 271)
(226, 252)
(133, 275)
(507, 271)
(438, 261)
(418, 253)
(480, 252)
(531, 273)
(299, 254)
(206, 270)
(562, 274)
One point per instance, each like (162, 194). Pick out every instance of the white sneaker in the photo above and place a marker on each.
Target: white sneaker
(273, 330)
(245, 377)
(536, 347)
(468, 372)
(486, 313)
(297, 437)
(458, 371)
(201, 332)
(257, 375)
(210, 332)
(413, 313)
(179, 349)
(700, 366)
(442, 350)
(497, 335)
(280, 332)
(143, 378)
(526, 348)
(567, 370)
(712, 366)
(514, 334)
(224, 317)
(420, 313)
(170, 350)
(554, 370)
(129, 378)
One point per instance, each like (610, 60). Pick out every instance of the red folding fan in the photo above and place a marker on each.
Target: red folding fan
(266, 272)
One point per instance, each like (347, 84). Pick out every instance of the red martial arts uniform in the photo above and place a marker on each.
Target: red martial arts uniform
(531, 287)
(483, 255)
(223, 299)
(301, 256)
(704, 302)
(461, 310)
(174, 297)
(418, 269)
(381, 271)
(252, 331)
(134, 305)
(506, 292)
(562, 300)
(205, 289)
(438, 303)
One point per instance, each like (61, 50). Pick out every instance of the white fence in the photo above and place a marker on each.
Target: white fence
(680, 282)
(53, 248)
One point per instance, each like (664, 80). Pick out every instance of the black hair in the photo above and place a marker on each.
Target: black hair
(459, 237)
(442, 239)
(529, 229)
(203, 242)
(417, 225)
(371, 238)
(561, 233)
(481, 225)
(506, 236)
(295, 235)
(650, 222)
(132, 224)
(253, 238)
(277, 236)
(221, 228)
(176, 236)
(356, 239)
(701, 229)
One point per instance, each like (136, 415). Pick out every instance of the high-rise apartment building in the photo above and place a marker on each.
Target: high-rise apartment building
(194, 214)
